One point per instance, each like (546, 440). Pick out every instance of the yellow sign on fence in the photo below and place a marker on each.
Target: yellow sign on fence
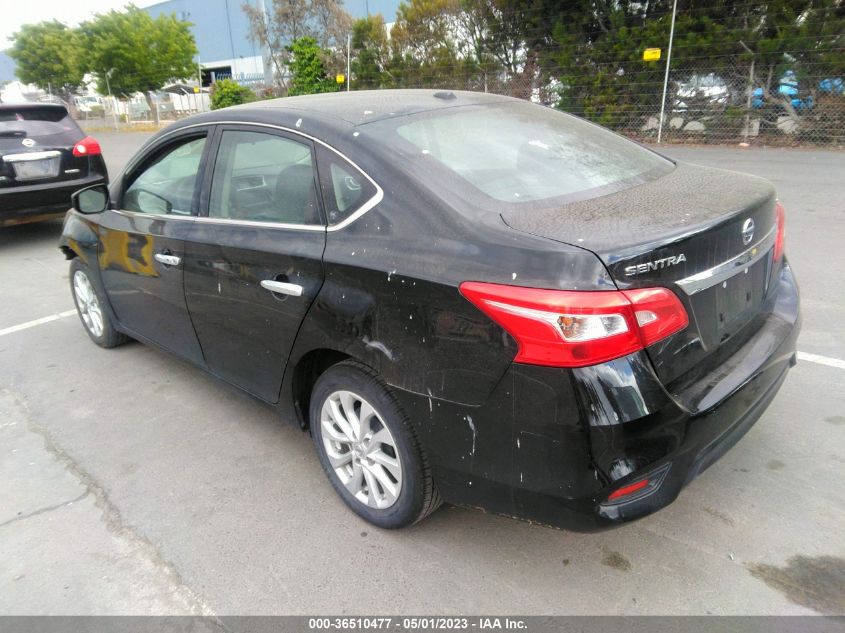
(651, 54)
(340, 79)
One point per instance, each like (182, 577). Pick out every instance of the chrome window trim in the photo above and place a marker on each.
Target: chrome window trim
(260, 224)
(194, 218)
(28, 156)
(157, 216)
(727, 269)
(364, 208)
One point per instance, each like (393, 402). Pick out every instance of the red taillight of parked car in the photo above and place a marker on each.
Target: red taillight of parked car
(780, 218)
(87, 147)
(570, 328)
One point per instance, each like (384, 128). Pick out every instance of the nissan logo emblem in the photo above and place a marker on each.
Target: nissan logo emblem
(27, 142)
(747, 231)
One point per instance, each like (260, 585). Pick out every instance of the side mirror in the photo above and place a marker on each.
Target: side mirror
(91, 199)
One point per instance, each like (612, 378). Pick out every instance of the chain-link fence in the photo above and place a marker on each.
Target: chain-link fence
(714, 100)
(710, 102)
(755, 72)
(138, 110)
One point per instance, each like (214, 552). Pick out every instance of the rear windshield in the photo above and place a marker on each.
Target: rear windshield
(35, 121)
(521, 153)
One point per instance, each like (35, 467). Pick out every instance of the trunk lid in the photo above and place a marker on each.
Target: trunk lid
(36, 145)
(705, 233)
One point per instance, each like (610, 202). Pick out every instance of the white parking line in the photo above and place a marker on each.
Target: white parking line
(805, 356)
(822, 360)
(29, 324)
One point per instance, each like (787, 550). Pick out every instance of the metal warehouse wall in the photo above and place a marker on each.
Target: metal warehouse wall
(221, 27)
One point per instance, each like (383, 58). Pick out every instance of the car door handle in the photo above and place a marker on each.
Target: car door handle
(167, 260)
(281, 287)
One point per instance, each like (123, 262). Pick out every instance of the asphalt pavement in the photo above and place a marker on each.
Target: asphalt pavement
(133, 483)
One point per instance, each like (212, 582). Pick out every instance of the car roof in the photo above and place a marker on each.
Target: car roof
(331, 117)
(365, 106)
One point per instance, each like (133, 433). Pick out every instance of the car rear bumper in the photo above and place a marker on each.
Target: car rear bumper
(710, 436)
(37, 202)
(552, 445)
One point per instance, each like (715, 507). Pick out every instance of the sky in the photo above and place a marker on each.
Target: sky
(19, 12)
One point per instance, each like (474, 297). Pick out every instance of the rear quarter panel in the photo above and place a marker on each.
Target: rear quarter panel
(391, 295)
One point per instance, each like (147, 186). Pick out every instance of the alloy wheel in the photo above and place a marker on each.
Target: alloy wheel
(88, 303)
(361, 449)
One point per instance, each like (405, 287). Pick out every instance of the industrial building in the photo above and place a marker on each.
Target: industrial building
(221, 30)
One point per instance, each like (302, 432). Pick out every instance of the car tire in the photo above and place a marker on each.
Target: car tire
(378, 468)
(90, 306)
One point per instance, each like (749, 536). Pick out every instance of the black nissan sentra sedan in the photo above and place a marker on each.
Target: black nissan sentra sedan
(462, 297)
(44, 158)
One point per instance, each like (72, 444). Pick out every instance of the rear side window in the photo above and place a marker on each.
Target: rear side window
(345, 189)
(35, 121)
(263, 177)
(520, 152)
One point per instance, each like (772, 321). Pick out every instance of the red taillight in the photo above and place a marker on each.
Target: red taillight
(569, 328)
(86, 147)
(780, 218)
(630, 489)
(658, 311)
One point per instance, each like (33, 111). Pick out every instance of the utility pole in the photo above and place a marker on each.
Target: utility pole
(666, 76)
(198, 94)
(348, 62)
(749, 101)
(154, 95)
(113, 103)
(266, 53)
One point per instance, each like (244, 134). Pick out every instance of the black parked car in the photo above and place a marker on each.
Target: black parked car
(461, 296)
(44, 158)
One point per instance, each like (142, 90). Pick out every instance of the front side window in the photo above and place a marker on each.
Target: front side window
(262, 177)
(167, 184)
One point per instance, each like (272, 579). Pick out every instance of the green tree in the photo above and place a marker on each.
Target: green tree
(227, 93)
(48, 54)
(587, 55)
(427, 48)
(285, 21)
(595, 52)
(371, 53)
(309, 75)
(597, 58)
(801, 37)
(499, 33)
(138, 53)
